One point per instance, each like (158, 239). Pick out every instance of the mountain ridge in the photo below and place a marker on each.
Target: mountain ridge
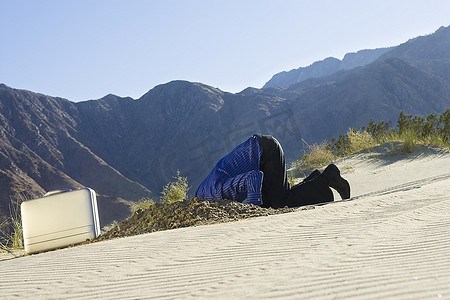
(325, 67)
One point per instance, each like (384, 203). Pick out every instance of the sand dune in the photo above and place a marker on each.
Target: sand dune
(391, 240)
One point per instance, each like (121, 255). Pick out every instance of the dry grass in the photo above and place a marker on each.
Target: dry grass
(360, 141)
(319, 155)
(11, 234)
(142, 204)
(175, 191)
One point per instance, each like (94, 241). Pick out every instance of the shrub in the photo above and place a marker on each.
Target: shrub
(175, 191)
(359, 141)
(291, 178)
(409, 138)
(432, 130)
(411, 130)
(319, 155)
(380, 132)
(143, 204)
(353, 142)
(109, 227)
(443, 127)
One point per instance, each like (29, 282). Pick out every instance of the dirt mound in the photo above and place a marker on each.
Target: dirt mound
(191, 212)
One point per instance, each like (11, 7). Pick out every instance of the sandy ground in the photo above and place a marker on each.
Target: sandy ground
(391, 240)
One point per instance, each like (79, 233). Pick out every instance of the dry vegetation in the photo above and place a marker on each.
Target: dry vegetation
(411, 130)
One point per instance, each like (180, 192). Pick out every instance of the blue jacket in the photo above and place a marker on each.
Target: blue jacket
(236, 176)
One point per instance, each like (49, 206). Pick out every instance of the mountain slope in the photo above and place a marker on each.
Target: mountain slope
(178, 125)
(39, 151)
(430, 53)
(379, 91)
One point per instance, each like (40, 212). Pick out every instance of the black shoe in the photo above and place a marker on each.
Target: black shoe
(336, 181)
(313, 175)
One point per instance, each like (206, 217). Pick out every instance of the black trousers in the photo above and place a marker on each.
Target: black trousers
(276, 191)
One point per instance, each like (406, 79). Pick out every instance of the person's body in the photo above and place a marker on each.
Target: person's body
(255, 171)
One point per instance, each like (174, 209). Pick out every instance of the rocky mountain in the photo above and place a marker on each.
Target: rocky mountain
(429, 53)
(325, 67)
(126, 149)
(413, 77)
(40, 151)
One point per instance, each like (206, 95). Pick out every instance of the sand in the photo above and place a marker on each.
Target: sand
(391, 240)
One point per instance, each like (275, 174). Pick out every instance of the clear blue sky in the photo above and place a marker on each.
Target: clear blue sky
(83, 50)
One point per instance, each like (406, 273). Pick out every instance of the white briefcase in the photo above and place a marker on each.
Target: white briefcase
(59, 219)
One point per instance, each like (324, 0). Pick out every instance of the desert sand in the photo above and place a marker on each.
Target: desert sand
(390, 240)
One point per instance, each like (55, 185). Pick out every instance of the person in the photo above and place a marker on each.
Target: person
(255, 171)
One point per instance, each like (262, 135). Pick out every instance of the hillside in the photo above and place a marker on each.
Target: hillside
(126, 149)
(39, 151)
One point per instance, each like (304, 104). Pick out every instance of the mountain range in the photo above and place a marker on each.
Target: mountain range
(126, 149)
(326, 67)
